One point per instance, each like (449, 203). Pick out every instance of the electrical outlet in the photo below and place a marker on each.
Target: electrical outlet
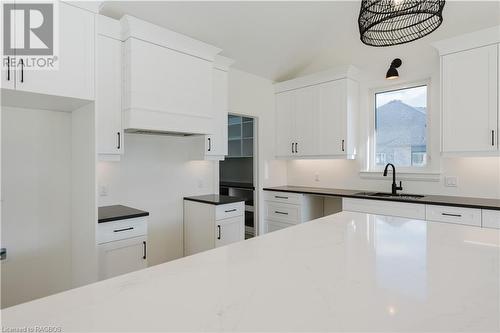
(451, 181)
(103, 191)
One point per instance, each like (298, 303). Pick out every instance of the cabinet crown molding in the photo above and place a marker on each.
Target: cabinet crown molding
(336, 73)
(468, 41)
(108, 27)
(133, 27)
(223, 63)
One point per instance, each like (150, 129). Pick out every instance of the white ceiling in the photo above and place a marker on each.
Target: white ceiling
(275, 40)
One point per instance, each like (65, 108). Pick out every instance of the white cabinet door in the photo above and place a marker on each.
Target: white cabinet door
(306, 119)
(271, 226)
(491, 219)
(382, 207)
(7, 72)
(108, 95)
(75, 75)
(120, 257)
(332, 118)
(230, 230)
(216, 143)
(469, 100)
(285, 124)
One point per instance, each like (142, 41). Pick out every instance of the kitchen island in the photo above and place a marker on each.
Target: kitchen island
(343, 272)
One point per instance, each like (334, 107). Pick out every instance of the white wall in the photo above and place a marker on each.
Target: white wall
(155, 173)
(478, 177)
(36, 207)
(251, 95)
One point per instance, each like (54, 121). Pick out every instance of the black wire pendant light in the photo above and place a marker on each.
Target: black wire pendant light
(393, 22)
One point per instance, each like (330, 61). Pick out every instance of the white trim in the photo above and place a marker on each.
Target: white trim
(370, 153)
(333, 74)
(222, 63)
(133, 27)
(413, 176)
(468, 41)
(108, 27)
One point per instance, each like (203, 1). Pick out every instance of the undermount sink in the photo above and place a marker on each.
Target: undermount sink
(390, 195)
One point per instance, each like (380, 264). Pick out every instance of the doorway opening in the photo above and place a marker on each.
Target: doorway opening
(238, 172)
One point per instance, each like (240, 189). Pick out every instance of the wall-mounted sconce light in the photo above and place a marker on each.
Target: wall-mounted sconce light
(392, 73)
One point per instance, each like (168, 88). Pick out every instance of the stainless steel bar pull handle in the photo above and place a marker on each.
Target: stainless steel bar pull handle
(278, 212)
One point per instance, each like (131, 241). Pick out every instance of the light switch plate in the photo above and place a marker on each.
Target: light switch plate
(451, 181)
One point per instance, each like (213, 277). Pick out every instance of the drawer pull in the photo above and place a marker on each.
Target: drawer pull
(124, 229)
(280, 197)
(144, 250)
(218, 232)
(448, 214)
(230, 210)
(278, 212)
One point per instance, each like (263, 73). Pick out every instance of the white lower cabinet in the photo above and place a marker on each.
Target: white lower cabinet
(432, 213)
(274, 226)
(491, 219)
(207, 225)
(382, 207)
(283, 209)
(123, 256)
(122, 246)
(451, 214)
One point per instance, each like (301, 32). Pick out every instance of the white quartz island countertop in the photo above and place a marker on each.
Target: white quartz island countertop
(343, 272)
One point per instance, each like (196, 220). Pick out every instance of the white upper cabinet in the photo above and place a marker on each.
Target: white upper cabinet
(168, 80)
(469, 100)
(306, 121)
(285, 123)
(7, 75)
(470, 93)
(337, 117)
(216, 142)
(316, 116)
(75, 76)
(214, 146)
(108, 87)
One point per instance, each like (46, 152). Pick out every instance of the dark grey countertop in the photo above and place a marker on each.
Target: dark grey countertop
(215, 199)
(443, 200)
(118, 212)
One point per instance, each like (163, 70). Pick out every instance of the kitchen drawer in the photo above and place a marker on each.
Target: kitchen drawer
(271, 226)
(450, 214)
(123, 229)
(283, 197)
(491, 219)
(382, 207)
(283, 212)
(229, 210)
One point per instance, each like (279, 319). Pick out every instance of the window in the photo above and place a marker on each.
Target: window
(400, 131)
